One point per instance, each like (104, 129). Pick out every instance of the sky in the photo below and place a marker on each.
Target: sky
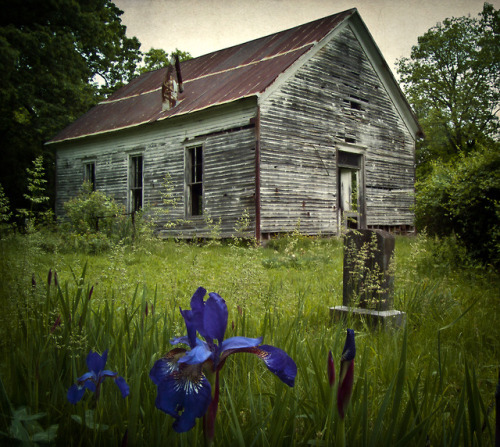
(203, 26)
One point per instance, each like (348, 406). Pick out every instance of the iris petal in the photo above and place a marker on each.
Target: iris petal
(277, 361)
(107, 373)
(194, 317)
(92, 379)
(345, 387)
(240, 342)
(215, 318)
(75, 394)
(90, 385)
(87, 376)
(166, 365)
(199, 354)
(124, 388)
(349, 351)
(185, 394)
(96, 362)
(184, 339)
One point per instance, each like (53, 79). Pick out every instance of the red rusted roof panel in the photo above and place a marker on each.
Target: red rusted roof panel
(216, 78)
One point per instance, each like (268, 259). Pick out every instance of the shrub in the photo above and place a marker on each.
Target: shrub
(462, 197)
(96, 222)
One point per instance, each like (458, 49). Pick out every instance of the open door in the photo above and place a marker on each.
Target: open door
(349, 196)
(350, 174)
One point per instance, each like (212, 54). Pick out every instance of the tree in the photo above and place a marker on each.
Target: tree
(452, 80)
(57, 59)
(157, 58)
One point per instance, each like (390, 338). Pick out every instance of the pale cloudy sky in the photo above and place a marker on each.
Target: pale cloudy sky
(203, 26)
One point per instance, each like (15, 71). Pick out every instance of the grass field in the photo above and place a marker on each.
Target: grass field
(433, 381)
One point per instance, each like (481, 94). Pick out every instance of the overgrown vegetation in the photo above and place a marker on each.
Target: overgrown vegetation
(103, 282)
(462, 197)
(451, 79)
(432, 382)
(95, 222)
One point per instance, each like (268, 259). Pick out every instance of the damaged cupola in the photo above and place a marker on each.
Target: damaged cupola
(171, 88)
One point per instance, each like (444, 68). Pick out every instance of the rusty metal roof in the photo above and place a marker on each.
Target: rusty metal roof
(216, 78)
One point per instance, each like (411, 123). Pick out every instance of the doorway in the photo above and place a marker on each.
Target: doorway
(350, 174)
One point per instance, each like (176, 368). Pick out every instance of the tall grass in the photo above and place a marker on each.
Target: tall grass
(431, 382)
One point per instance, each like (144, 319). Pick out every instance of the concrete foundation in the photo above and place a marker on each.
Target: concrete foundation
(374, 318)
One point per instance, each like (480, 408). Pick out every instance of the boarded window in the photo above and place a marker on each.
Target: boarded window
(136, 182)
(349, 160)
(89, 173)
(194, 171)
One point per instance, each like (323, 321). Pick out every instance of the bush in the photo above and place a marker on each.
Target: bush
(462, 198)
(96, 222)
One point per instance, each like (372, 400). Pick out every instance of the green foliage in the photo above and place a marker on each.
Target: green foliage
(242, 229)
(5, 213)
(214, 228)
(462, 197)
(21, 427)
(37, 214)
(96, 221)
(369, 286)
(157, 58)
(57, 58)
(92, 211)
(36, 188)
(452, 80)
(406, 391)
(169, 202)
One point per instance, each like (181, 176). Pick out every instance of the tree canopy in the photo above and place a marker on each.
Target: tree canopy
(157, 58)
(452, 79)
(58, 58)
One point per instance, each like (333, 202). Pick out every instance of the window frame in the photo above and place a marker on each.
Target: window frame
(135, 200)
(194, 165)
(89, 172)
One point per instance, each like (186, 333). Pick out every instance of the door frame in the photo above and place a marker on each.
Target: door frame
(356, 164)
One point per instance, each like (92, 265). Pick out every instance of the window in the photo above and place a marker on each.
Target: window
(135, 182)
(194, 183)
(356, 102)
(89, 173)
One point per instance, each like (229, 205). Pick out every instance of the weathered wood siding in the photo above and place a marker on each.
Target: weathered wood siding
(336, 96)
(228, 141)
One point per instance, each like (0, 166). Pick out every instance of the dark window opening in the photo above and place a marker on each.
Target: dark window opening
(195, 180)
(349, 160)
(89, 174)
(355, 102)
(136, 181)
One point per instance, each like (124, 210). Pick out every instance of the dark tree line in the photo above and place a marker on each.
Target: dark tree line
(58, 58)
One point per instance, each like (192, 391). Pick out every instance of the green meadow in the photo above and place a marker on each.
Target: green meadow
(431, 382)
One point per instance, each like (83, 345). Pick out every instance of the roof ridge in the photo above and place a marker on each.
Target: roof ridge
(214, 73)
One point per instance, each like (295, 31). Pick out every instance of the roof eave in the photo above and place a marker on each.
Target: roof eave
(151, 121)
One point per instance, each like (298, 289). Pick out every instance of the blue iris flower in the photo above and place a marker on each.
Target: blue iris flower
(184, 391)
(93, 379)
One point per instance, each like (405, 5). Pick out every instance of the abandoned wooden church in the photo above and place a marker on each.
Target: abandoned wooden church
(303, 127)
